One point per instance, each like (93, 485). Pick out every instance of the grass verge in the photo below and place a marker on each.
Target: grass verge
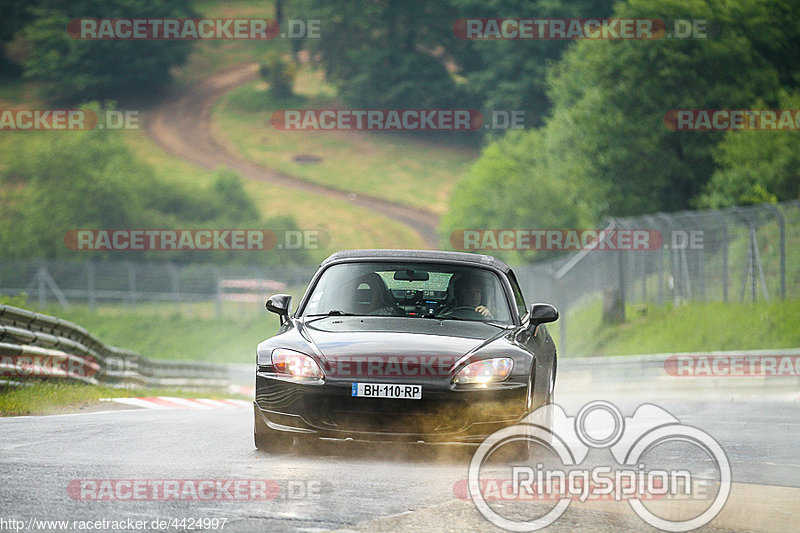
(692, 327)
(346, 225)
(419, 170)
(58, 397)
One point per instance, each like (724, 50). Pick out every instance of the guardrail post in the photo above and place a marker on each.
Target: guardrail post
(725, 261)
(759, 266)
(218, 294)
(176, 290)
(643, 272)
(621, 263)
(131, 283)
(782, 228)
(90, 286)
(562, 330)
(40, 288)
(701, 270)
(660, 276)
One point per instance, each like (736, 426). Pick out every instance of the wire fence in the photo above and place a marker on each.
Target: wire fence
(739, 254)
(95, 283)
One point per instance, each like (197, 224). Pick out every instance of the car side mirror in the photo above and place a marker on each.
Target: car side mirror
(279, 304)
(541, 314)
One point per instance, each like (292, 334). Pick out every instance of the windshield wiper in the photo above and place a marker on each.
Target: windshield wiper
(335, 312)
(448, 317)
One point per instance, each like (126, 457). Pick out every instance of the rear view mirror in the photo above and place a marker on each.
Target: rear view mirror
(411, 275)
(279, 304)
(541, 314)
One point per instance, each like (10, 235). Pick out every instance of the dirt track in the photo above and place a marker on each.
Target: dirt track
(182, 126)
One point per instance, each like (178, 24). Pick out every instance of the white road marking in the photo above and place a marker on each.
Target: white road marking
(170, 402)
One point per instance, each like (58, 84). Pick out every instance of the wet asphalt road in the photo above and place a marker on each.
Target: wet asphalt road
(335, 485)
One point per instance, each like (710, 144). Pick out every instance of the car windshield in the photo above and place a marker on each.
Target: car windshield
(415, 290)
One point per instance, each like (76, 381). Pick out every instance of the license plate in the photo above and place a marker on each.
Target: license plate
(387, 390)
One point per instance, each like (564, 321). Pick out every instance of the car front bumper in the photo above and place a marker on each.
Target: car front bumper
(444, 414)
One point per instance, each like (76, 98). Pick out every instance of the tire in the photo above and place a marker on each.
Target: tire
(526, 451)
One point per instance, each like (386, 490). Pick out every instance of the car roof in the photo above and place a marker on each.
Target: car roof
(417, 255)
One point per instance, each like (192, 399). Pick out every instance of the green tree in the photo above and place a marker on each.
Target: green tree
(756, 166)
(386, 53)
(512, 74)
(280, 74)
(91, 180)
(76, 70)
(611, 97)
(606, 147)
(510, 187)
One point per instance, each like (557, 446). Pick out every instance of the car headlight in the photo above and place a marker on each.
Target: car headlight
(485, 371)
(295, 364)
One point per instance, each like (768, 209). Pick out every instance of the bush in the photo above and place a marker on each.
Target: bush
(280, 74)
(91, 180)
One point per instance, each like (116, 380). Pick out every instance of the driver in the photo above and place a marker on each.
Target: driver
(468, 293)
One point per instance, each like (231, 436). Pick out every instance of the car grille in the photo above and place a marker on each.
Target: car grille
(388, 416)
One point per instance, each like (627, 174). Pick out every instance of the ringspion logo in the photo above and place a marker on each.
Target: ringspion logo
(567, 476)
(607, 485)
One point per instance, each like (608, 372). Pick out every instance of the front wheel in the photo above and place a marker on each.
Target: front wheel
(528, 448)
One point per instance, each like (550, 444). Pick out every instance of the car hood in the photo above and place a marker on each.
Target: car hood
(334, 337)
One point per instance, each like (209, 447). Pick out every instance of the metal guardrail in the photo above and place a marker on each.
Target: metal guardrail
(34, 345)
(638, 373)
(51, 347)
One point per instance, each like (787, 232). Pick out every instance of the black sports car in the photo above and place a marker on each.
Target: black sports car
(403, 345)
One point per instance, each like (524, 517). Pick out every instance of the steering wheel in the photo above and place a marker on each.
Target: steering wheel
(464, 311)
